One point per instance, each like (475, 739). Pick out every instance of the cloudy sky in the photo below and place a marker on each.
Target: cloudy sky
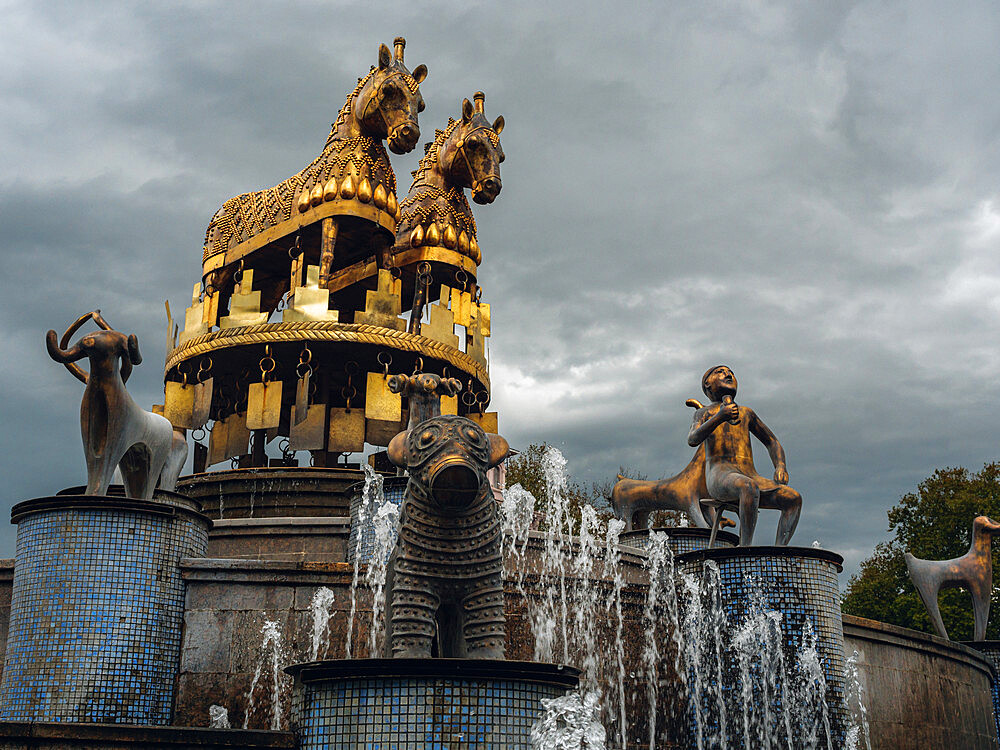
(805, 191)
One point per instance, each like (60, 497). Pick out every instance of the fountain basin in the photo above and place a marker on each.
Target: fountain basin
(798, 583)
(411, 704)
(97, 606)
(680, 538)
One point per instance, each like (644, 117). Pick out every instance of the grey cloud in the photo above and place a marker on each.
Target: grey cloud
(806, 192)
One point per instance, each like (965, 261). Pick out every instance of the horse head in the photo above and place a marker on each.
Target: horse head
(471, 155)
(388, 103)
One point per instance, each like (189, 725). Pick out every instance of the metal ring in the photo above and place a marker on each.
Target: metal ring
(461, 278)
(308, 370)
(418, 365)
(271, 367)
(385, 362)
(468, 398)
(194, 434)
(351, 367)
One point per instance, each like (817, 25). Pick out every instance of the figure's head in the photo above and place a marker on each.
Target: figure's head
(718, 382)
(388, 103)
(472, 154)
(986, 524)
(448, 456)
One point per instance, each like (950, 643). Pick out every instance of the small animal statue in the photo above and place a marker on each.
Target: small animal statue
(634, 499)
(353, 169)
(445, 576)
(973, 570)
(175, 461)
(116, 430)
(435, 212)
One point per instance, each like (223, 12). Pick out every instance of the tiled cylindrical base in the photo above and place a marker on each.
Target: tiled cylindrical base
(393, 489)
(800, 584)
(680, 538)
(97, 608)
(412, 704)
(991, 649)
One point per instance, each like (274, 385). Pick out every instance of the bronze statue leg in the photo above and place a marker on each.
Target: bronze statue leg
(789, 502)
(733, 487)
(414, 606)
(485, 620)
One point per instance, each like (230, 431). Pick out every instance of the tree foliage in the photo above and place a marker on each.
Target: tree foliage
(527, 468)
(933, 523)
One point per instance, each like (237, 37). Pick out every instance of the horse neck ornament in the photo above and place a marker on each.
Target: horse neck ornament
(466, 154)
(383, 106)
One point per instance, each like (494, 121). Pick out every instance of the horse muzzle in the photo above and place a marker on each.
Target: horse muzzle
(403, 139)
(487, 190)
(454, 482)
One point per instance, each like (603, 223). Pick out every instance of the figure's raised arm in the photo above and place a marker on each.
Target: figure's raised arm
(770, 441)
(704, 425)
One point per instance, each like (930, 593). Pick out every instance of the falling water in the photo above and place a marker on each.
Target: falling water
(612, 566)
(858, 729)
(218, 717)
(386, 522)
(371, 500)
(570, 722)
(271, 651)
(321, 608)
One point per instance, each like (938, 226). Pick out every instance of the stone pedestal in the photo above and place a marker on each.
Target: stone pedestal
(680, 538)
(801, 585)
(412, 704)
(274, 492)
(97, 607)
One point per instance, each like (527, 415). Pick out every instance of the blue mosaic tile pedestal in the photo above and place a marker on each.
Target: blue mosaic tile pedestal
(801, 584)
(991, 649)
(680, 538)
(415, 704)
(393, 489)
(97, 607)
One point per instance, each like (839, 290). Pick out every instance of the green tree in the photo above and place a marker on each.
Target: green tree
(527, 469)
(933, 523)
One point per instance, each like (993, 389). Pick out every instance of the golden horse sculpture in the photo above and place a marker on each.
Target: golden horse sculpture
(349, 178)
(974, 571)
(435, 212)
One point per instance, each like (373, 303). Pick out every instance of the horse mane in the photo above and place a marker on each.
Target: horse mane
(346, 110)
(432, 149)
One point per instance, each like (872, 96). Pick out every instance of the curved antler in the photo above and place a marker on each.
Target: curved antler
(67, 357)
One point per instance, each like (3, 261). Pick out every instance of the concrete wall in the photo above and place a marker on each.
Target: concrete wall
(922, 692)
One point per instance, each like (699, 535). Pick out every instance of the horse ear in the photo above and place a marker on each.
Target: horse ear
(419, 74)
(133, 350)
(397, 450)
(384, 57)
(498, 125)
(499, 449)
(467, 110)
